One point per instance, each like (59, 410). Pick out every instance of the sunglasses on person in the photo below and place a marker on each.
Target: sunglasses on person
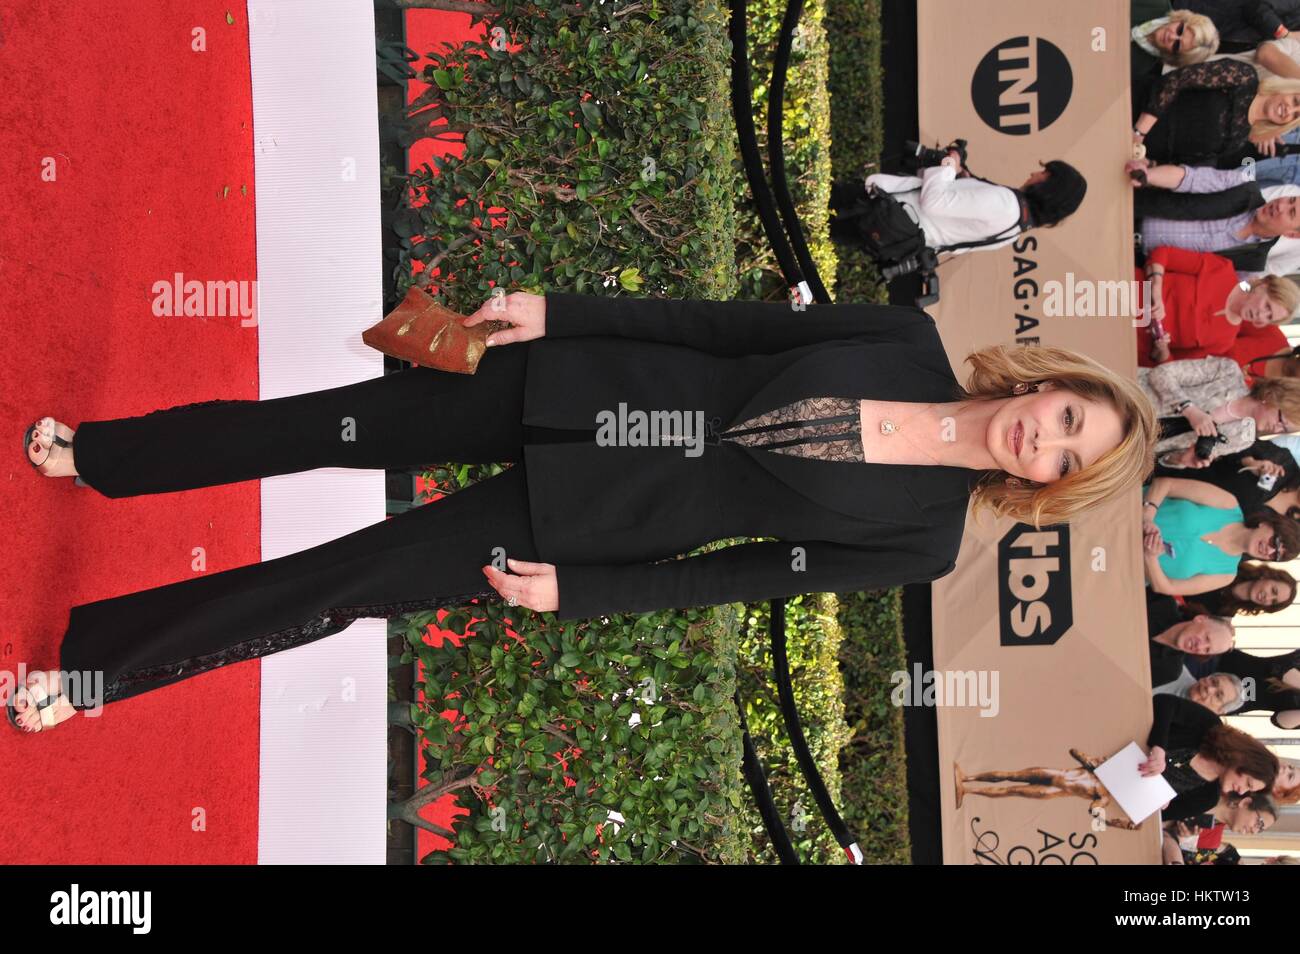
(1178, 43)
(1274, 548)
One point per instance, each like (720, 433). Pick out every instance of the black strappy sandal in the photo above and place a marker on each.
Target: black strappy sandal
(44, 706)
(63, 437)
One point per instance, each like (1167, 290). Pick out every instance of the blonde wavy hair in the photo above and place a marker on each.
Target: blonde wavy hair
(1270, 87)
(1000, 368)
(1281, 393)
(1202, 43)
(1283, 291)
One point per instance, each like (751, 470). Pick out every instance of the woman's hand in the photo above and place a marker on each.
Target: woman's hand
(1155, 763)
(1201, 422)
(1262, 468)
(1184, 830)
(1160, 350)
(1267, 145)
(1151, 537)
(1139, 166)
(526, 312)
(533, 585)
(1156, 306)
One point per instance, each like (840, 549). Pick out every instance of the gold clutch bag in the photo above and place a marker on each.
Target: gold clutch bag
(423, 332)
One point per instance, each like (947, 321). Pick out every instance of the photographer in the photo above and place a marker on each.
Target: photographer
(953, 207)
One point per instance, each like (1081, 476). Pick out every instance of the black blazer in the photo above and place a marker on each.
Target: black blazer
(603, 514)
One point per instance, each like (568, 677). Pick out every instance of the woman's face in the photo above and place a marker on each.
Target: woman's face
(1268, 592)
(1282, 108)
(1235, 780)
(1269, 419)
(1261, 311)
(1263, 543)
(1171, 35)
(1214, 692)
(1288, 777)
(1045, 435)
(1246, 820)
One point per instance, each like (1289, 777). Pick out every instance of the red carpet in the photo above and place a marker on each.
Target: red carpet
(152, 144)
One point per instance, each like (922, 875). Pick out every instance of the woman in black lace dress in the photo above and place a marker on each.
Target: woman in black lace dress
(840, 432)
(1216, 114)
(1203, 759)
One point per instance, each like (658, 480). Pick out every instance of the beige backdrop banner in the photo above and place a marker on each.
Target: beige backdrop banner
(1057, 617)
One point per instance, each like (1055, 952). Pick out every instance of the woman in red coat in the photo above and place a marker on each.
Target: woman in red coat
(1200, 308)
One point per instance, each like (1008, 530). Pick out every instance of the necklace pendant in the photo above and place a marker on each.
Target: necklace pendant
(888, 427)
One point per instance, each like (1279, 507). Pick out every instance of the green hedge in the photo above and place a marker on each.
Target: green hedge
(542, 749)
(606, 137)
(857, 112)
(813, 640)
(873, 764)
(806, 132)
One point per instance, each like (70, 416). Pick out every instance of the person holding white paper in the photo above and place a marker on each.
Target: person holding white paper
(1202, 759)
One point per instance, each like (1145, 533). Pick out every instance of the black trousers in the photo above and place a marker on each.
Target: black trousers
(427, 557)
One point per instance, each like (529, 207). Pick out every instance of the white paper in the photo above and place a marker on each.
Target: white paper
(1139, 795)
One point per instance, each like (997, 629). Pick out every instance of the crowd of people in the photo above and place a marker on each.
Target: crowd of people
(1216, 108)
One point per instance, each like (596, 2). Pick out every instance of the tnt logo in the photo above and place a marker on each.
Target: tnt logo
(1022, 85)
(1034, 592)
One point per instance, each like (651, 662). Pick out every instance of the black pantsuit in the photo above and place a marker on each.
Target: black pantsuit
(429, 556)
(610, 519)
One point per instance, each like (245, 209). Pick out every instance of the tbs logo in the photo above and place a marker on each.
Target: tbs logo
(1034, 592)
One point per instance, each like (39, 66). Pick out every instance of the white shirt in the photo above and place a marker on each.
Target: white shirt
(1288, 45)
(952, 210)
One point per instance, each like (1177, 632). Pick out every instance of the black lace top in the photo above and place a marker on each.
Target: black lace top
(826, 428)
(1201, 113)
(1179, 772)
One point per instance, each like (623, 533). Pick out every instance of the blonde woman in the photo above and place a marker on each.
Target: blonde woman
(1208, 397)
(1277, 59)
(1199, 306)
(1164, 38)
(841, 431)
(1177, 38)
(1216, 113)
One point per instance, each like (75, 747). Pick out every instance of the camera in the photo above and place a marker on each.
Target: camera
(926, 261)
(1267, 482)
(1204, 449)
(923, 261)
(925, 156)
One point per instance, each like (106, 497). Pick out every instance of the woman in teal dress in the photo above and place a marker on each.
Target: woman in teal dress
(1194, 536)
